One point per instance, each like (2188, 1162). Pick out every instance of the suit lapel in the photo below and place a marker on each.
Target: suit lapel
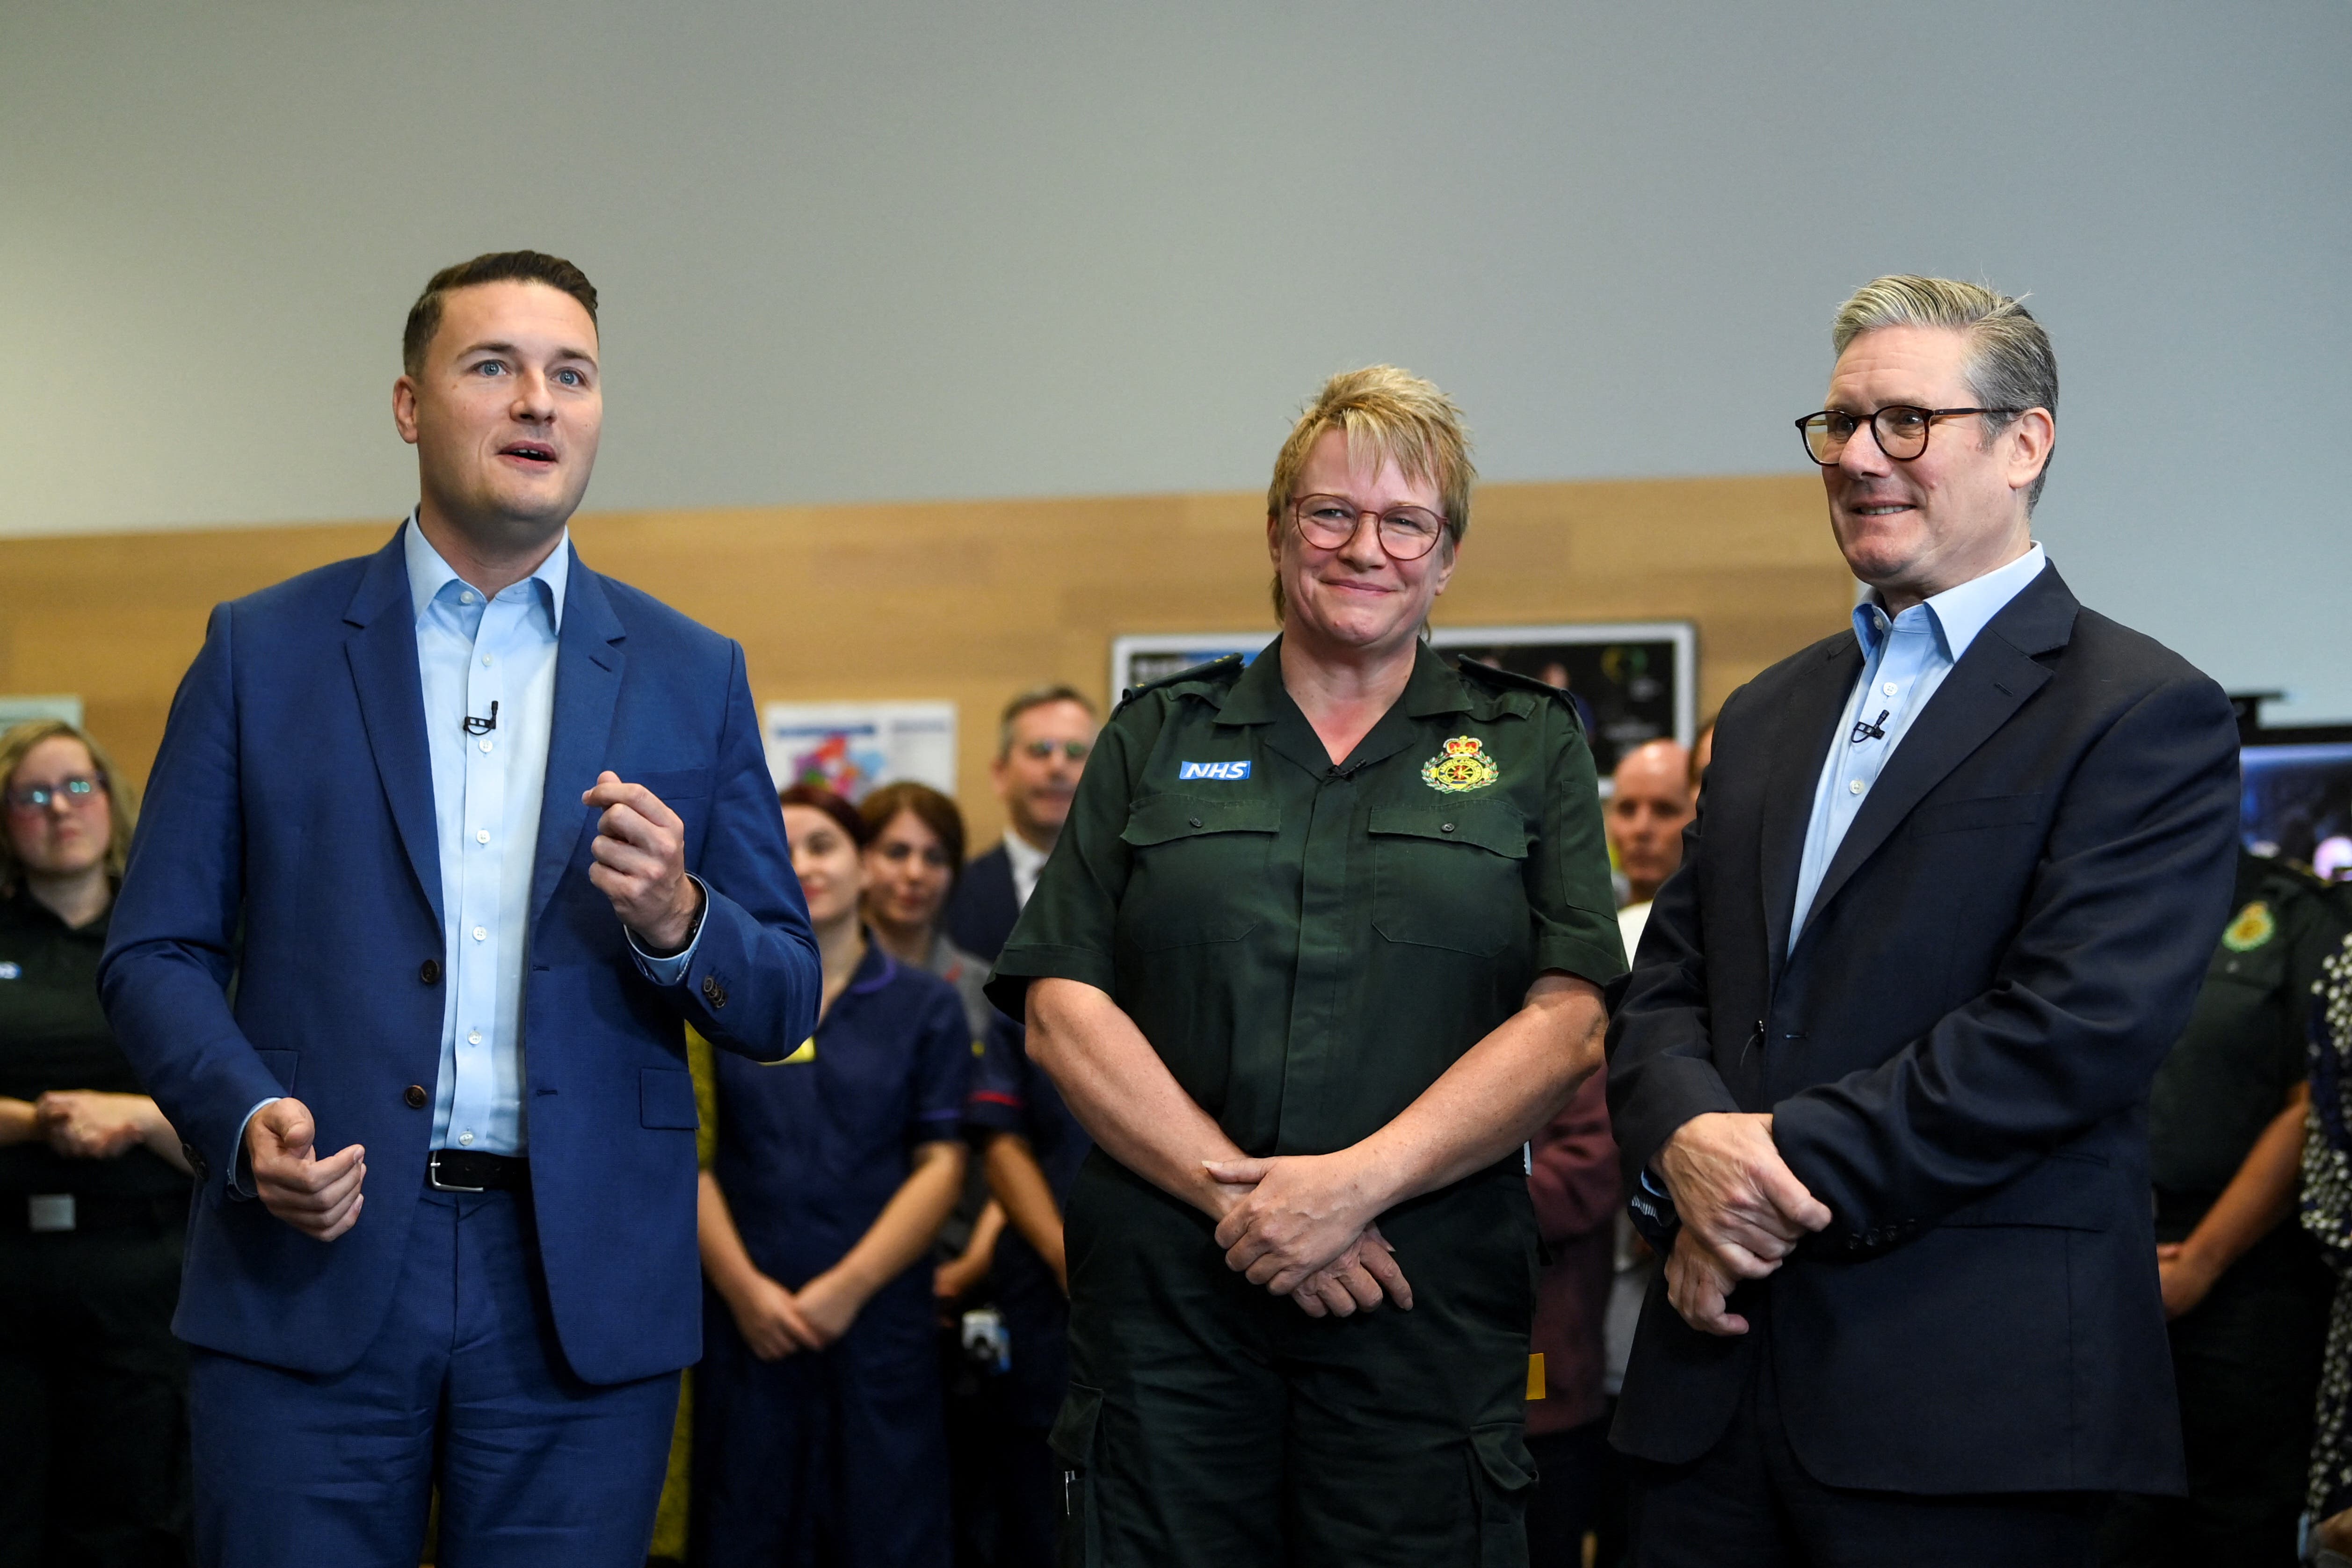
(382, 655)
(588, 665)
(1801, 743)
(1990, 682)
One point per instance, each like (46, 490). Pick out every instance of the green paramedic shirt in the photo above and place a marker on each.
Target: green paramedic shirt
(1309, 946)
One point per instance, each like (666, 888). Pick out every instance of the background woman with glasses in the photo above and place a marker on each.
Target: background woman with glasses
(1321, 944)
(93, 1190)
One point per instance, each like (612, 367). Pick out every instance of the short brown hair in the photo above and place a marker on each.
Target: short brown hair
(1037, 697)
(817, 798)
(494, 267)
(1389, 414)
(121, 795)
(927, 806)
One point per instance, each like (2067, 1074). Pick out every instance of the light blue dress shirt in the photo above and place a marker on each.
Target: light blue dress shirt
(1905, 659)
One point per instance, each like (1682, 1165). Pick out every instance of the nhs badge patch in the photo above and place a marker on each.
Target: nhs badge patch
(1226, 770)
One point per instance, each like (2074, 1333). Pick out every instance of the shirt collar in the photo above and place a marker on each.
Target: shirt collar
(1259, 697)
(428, 573)
(1026, 857)
(874, 971)
(1958, 614)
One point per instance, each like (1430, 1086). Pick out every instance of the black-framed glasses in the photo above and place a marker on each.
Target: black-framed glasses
(72, 791)
(1043, 751)
(1900, 430)
(1406, 532)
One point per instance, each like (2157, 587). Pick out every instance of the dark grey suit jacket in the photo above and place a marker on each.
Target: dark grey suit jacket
(1957, 1057)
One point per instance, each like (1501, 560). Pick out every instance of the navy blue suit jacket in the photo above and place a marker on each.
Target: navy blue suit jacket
(279, 932)
(1956, 1055)
(984, 907)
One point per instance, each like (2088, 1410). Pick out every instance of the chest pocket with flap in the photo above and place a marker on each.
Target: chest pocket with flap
(1447, 874)
(1198, 861)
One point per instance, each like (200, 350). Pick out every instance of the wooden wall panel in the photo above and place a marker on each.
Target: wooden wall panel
(970, 602)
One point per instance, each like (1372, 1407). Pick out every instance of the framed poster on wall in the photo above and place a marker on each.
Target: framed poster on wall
(1632, 680)
(854, 748)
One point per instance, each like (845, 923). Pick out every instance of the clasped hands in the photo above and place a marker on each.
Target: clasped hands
(776, 1323)
(1743, 1212)
(92, 1124)
(1303, 1225)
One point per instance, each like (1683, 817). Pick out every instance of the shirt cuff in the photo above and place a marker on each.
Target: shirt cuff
(1651, 1209)
(240, 1171)
(672, 969)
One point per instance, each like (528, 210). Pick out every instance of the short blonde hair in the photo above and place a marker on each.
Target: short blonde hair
(2011, 362)
(121, 795)
(1391, 416)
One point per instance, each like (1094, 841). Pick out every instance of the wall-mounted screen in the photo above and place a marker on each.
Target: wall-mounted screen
(2296, 803)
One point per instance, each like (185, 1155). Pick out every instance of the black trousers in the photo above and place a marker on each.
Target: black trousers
(1571, 1472)
(1210, 1425)
(2247, 1361)
(93, 1398)
(1748, 1502)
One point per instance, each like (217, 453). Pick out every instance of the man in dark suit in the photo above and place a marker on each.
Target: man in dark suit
(1881, 1072)
(1040, 748)
(445, 846)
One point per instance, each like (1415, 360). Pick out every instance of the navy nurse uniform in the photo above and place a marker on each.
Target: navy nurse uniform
(1010, 1094)
(840, 1456)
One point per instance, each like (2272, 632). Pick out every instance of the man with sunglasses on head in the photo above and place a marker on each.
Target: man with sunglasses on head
(1040, 748)
(1881, 1079)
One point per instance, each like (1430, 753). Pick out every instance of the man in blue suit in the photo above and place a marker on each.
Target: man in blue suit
(444, 848)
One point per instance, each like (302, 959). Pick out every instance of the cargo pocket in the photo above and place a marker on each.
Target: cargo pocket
(1502, 1473)
(1079, 1540)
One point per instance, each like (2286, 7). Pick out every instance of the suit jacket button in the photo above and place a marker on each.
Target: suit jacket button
(416, 1096)
(429, 972)
(712, 992)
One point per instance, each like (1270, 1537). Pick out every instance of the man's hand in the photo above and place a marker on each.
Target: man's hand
(88, 1124)
(770, 1320)
(321, 1198)
(640, 852)
(1358, 1280)
(2184, 1276)
(1302, 1212)
(1734, 1192)
(1698, 1288)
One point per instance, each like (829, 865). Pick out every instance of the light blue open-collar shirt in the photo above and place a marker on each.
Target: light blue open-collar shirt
(1905, 658)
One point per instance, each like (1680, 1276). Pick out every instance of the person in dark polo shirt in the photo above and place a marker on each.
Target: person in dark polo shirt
(2244, 1287)
(93, 1192)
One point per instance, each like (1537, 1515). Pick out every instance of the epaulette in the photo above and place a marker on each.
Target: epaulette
(1496, 677)
(1221, 671)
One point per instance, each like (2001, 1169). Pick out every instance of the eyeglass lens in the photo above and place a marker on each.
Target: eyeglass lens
(1901, 432)
(1075, 750)
(33, 797)
(1406, 532)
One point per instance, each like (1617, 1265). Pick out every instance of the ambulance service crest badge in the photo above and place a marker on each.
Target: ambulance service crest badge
(2254, 927)
(1462, 765)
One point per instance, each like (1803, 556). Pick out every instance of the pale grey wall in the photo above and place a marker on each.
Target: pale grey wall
(892, 250)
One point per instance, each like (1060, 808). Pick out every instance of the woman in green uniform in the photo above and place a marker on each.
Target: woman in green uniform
(1321, 945)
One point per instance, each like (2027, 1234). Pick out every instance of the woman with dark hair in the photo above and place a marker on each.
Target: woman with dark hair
(914, 854)
(93, 1189)
(818, 1435)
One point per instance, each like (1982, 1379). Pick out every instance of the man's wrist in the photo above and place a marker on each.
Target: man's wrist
(685, 920)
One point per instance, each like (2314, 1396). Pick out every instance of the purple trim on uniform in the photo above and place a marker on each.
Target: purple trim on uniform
(861, 983)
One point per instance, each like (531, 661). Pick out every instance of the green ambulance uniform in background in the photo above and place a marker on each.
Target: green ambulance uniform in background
(2247, 1356)
(1308, 947)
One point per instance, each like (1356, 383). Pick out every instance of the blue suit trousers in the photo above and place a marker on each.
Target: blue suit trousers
(465, 1387)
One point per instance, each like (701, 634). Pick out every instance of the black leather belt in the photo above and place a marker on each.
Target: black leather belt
(463, 1171)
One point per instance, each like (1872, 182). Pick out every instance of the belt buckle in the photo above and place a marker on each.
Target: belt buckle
(433, 1177)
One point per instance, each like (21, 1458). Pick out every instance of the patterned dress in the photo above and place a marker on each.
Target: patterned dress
(2327, 1215)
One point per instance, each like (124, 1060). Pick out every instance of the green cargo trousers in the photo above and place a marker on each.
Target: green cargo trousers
(1209, 1422)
